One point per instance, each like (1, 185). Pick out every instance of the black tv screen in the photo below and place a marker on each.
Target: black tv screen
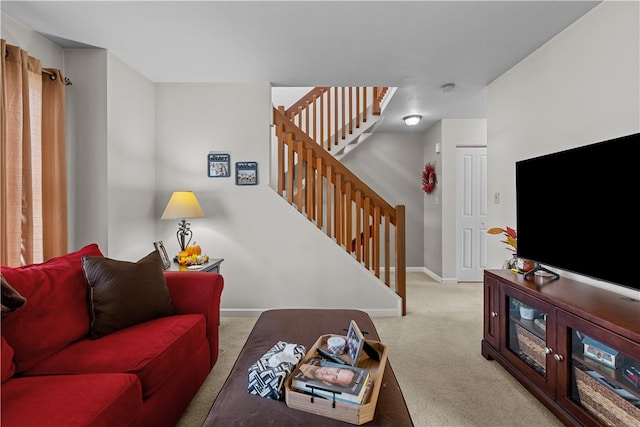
(577, 210)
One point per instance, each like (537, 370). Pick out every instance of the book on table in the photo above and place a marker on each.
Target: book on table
(332, 380)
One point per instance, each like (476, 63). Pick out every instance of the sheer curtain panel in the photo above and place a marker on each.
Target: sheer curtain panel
(33, 215)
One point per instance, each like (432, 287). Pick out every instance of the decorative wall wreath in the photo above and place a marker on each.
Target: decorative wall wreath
(429, 178)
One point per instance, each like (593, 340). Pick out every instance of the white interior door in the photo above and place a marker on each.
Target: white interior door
(471, 213)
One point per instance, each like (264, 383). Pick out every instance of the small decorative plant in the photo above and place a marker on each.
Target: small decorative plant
(511, 237)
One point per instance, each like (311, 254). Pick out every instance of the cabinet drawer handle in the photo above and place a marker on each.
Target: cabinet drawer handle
(494, 314)
(548, 350)
(558, 357)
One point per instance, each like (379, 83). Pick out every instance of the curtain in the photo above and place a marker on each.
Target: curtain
(33, 215)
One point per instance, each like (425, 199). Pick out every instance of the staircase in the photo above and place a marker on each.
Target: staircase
(339, 118)
(311, 137)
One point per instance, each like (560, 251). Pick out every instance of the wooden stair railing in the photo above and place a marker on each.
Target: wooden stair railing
(339, 203)
(326, 114)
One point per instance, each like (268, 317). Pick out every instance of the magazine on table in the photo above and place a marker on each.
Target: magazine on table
(326, 379)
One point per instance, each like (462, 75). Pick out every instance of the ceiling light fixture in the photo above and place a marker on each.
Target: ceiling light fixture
(412, 120)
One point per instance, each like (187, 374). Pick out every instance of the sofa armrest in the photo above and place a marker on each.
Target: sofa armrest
(198, 293)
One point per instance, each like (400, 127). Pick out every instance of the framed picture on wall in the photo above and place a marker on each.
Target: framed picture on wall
(246, 173)
(219, 165)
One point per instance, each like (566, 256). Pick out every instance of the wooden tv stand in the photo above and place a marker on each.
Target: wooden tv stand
(577, 356)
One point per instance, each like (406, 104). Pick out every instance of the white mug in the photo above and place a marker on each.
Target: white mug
(335, 345)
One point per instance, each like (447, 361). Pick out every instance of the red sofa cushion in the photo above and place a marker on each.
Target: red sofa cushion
(8, 367)
(93, 400)
(153, 350)
(56, 312)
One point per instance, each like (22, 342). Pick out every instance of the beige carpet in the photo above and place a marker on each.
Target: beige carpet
(435, 353)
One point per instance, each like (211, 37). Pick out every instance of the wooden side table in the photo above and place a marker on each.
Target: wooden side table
(213, 266)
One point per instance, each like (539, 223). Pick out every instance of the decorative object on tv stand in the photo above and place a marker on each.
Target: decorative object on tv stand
(429, 178)
(511, 240)
(182, 206)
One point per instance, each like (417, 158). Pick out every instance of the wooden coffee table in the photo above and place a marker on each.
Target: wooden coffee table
(235, 406)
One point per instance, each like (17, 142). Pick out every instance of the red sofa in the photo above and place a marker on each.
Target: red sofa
(146, 374)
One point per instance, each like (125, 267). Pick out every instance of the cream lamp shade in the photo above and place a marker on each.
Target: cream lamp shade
(183, 205)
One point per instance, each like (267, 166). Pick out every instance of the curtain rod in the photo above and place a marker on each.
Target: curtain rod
(53, 76)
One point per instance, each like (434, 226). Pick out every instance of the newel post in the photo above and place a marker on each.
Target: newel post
(401, 261)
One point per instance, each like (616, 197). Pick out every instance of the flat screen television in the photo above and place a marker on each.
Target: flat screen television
(577, 210)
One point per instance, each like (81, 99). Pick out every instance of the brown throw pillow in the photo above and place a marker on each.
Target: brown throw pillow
(123, 293)
(11, 299)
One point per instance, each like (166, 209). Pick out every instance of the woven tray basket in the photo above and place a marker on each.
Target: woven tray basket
(611, 409)
(532, 346)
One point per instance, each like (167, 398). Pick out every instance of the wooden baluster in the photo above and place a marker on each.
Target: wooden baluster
(387, 251)
(348, 229)
(401, 267)
(309, 186)
(376, 241)
(358, 225)
(376, 101)
(281, 175)
(338, 207)
(291, 167)
(358, 107)
(329, 199)
(366, 218)
(306, 119)
(299, 175)
(319, 180)
(314, 119)
(364, 104)
(322, 120)
(350, 110)
(344, 122)
(335, 124)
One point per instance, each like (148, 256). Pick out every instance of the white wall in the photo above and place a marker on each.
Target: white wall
(455, 133)
(87, 134)
(131, 171)
(432, 203)
(132, 143)
(581, 87)
(390, 163)
(18, 34)
(268, 261)
(440, 206)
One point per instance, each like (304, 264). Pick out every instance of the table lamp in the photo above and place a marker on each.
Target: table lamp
(183, 205)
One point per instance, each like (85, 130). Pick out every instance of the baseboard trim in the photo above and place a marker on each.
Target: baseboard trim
(256, 312)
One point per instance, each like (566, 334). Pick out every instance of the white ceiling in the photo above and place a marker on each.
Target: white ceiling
(416, 46)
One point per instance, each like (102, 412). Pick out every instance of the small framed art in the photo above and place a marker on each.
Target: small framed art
(355, 342)
(166, 262)
(246, 173)
(219, 165)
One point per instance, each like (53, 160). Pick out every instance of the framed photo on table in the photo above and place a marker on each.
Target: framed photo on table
(355, 342)
(166, 261)
(219, 165)
(246, 173)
